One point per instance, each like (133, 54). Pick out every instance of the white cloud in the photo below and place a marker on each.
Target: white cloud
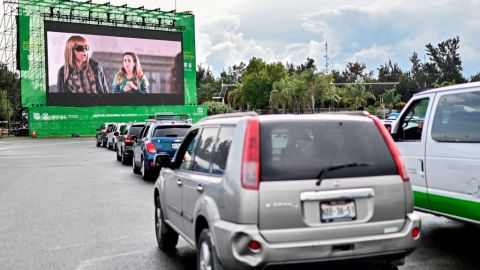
(371, 31)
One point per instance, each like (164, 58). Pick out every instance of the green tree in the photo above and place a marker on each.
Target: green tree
(282, 95)
(233, 74)
(207, 91)
(310, 79)
(257, 82)
(300, 96)
(234, 99)
(389, 72)
(475, 77)
(356, 96)
(6, 109)
(204, 76)
(447, 60)
(9, 82)
(308, 65)
(389, 99)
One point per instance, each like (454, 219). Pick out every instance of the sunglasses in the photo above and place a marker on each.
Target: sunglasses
(80, 48)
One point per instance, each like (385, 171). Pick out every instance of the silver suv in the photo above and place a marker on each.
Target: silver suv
(252, 191)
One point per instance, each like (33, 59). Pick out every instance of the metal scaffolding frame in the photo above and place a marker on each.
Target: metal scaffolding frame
(8, 35)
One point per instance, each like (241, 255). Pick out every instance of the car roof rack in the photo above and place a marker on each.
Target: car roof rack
(230, 115)
(359, 113)
(168, 116)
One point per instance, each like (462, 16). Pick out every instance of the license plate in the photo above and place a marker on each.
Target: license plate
(337, 211)
(175, 145)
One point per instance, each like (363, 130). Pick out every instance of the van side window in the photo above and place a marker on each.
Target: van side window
(457, 118)
(410, 127)
(221, 149)
(203, 154)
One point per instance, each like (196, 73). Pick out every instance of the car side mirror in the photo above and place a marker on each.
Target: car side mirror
(388, 127)
(163, 160)
(97, 129)
(134, 138)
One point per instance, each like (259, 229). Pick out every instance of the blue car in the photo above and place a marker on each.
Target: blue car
(157, 136)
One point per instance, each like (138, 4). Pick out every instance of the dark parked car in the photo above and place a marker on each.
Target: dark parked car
(102, 133)
(158, 136)
(125, 142)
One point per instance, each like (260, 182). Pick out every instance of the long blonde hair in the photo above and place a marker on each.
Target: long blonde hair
(70, 57)
(137, 69)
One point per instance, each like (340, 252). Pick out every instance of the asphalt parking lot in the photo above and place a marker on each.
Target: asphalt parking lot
(66, 204)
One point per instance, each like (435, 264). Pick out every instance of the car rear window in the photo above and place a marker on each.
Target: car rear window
(135, 130)
(299, 150)
(170, 131)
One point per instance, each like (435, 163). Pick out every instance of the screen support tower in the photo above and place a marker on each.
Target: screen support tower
(8, 34)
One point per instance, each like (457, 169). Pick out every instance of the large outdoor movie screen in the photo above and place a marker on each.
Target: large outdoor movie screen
(91, 65)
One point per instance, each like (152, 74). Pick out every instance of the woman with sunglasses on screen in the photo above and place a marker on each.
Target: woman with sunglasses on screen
(80, 74)
(130, 77)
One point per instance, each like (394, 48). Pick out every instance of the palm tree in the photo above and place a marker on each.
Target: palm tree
(390, 98)
(356, 96)
(300, 95)
(234, 99)
(281, 95)
(309, 78)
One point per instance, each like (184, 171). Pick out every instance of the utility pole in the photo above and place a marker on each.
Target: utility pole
(326, 57)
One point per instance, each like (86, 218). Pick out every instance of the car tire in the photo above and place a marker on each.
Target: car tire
(115, 148)
(135, 169)
(123, 157)
(109, 146)
(104, 143)
(98, 143)
(147, 173)
(206, 253)
(119, 158)
(167, 238)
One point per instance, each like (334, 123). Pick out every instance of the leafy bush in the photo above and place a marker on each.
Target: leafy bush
(215, 107)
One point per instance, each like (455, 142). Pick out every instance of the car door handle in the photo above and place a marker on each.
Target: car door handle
(200, 188)
(179, 183)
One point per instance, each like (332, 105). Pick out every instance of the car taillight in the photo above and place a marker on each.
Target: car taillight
(150, 147)
(392, 147)
(415, 232)
(251, 155)
(128, 139)
(254, 245)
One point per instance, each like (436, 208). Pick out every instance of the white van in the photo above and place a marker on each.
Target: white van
(438, 134)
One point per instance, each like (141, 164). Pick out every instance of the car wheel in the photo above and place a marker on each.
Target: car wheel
(98, 142)
(167, 238)
(115, 146)
(119, 158)
(104, 143)
(206, 254)
(145, 172)
(123, 158)
(136, 170)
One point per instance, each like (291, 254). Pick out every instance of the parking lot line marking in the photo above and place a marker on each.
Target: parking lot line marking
(38, 145)
(88, 263)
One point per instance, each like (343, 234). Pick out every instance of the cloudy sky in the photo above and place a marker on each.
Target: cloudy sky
(372, 31)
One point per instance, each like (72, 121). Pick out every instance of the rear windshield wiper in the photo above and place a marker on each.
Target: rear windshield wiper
(324, 171)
